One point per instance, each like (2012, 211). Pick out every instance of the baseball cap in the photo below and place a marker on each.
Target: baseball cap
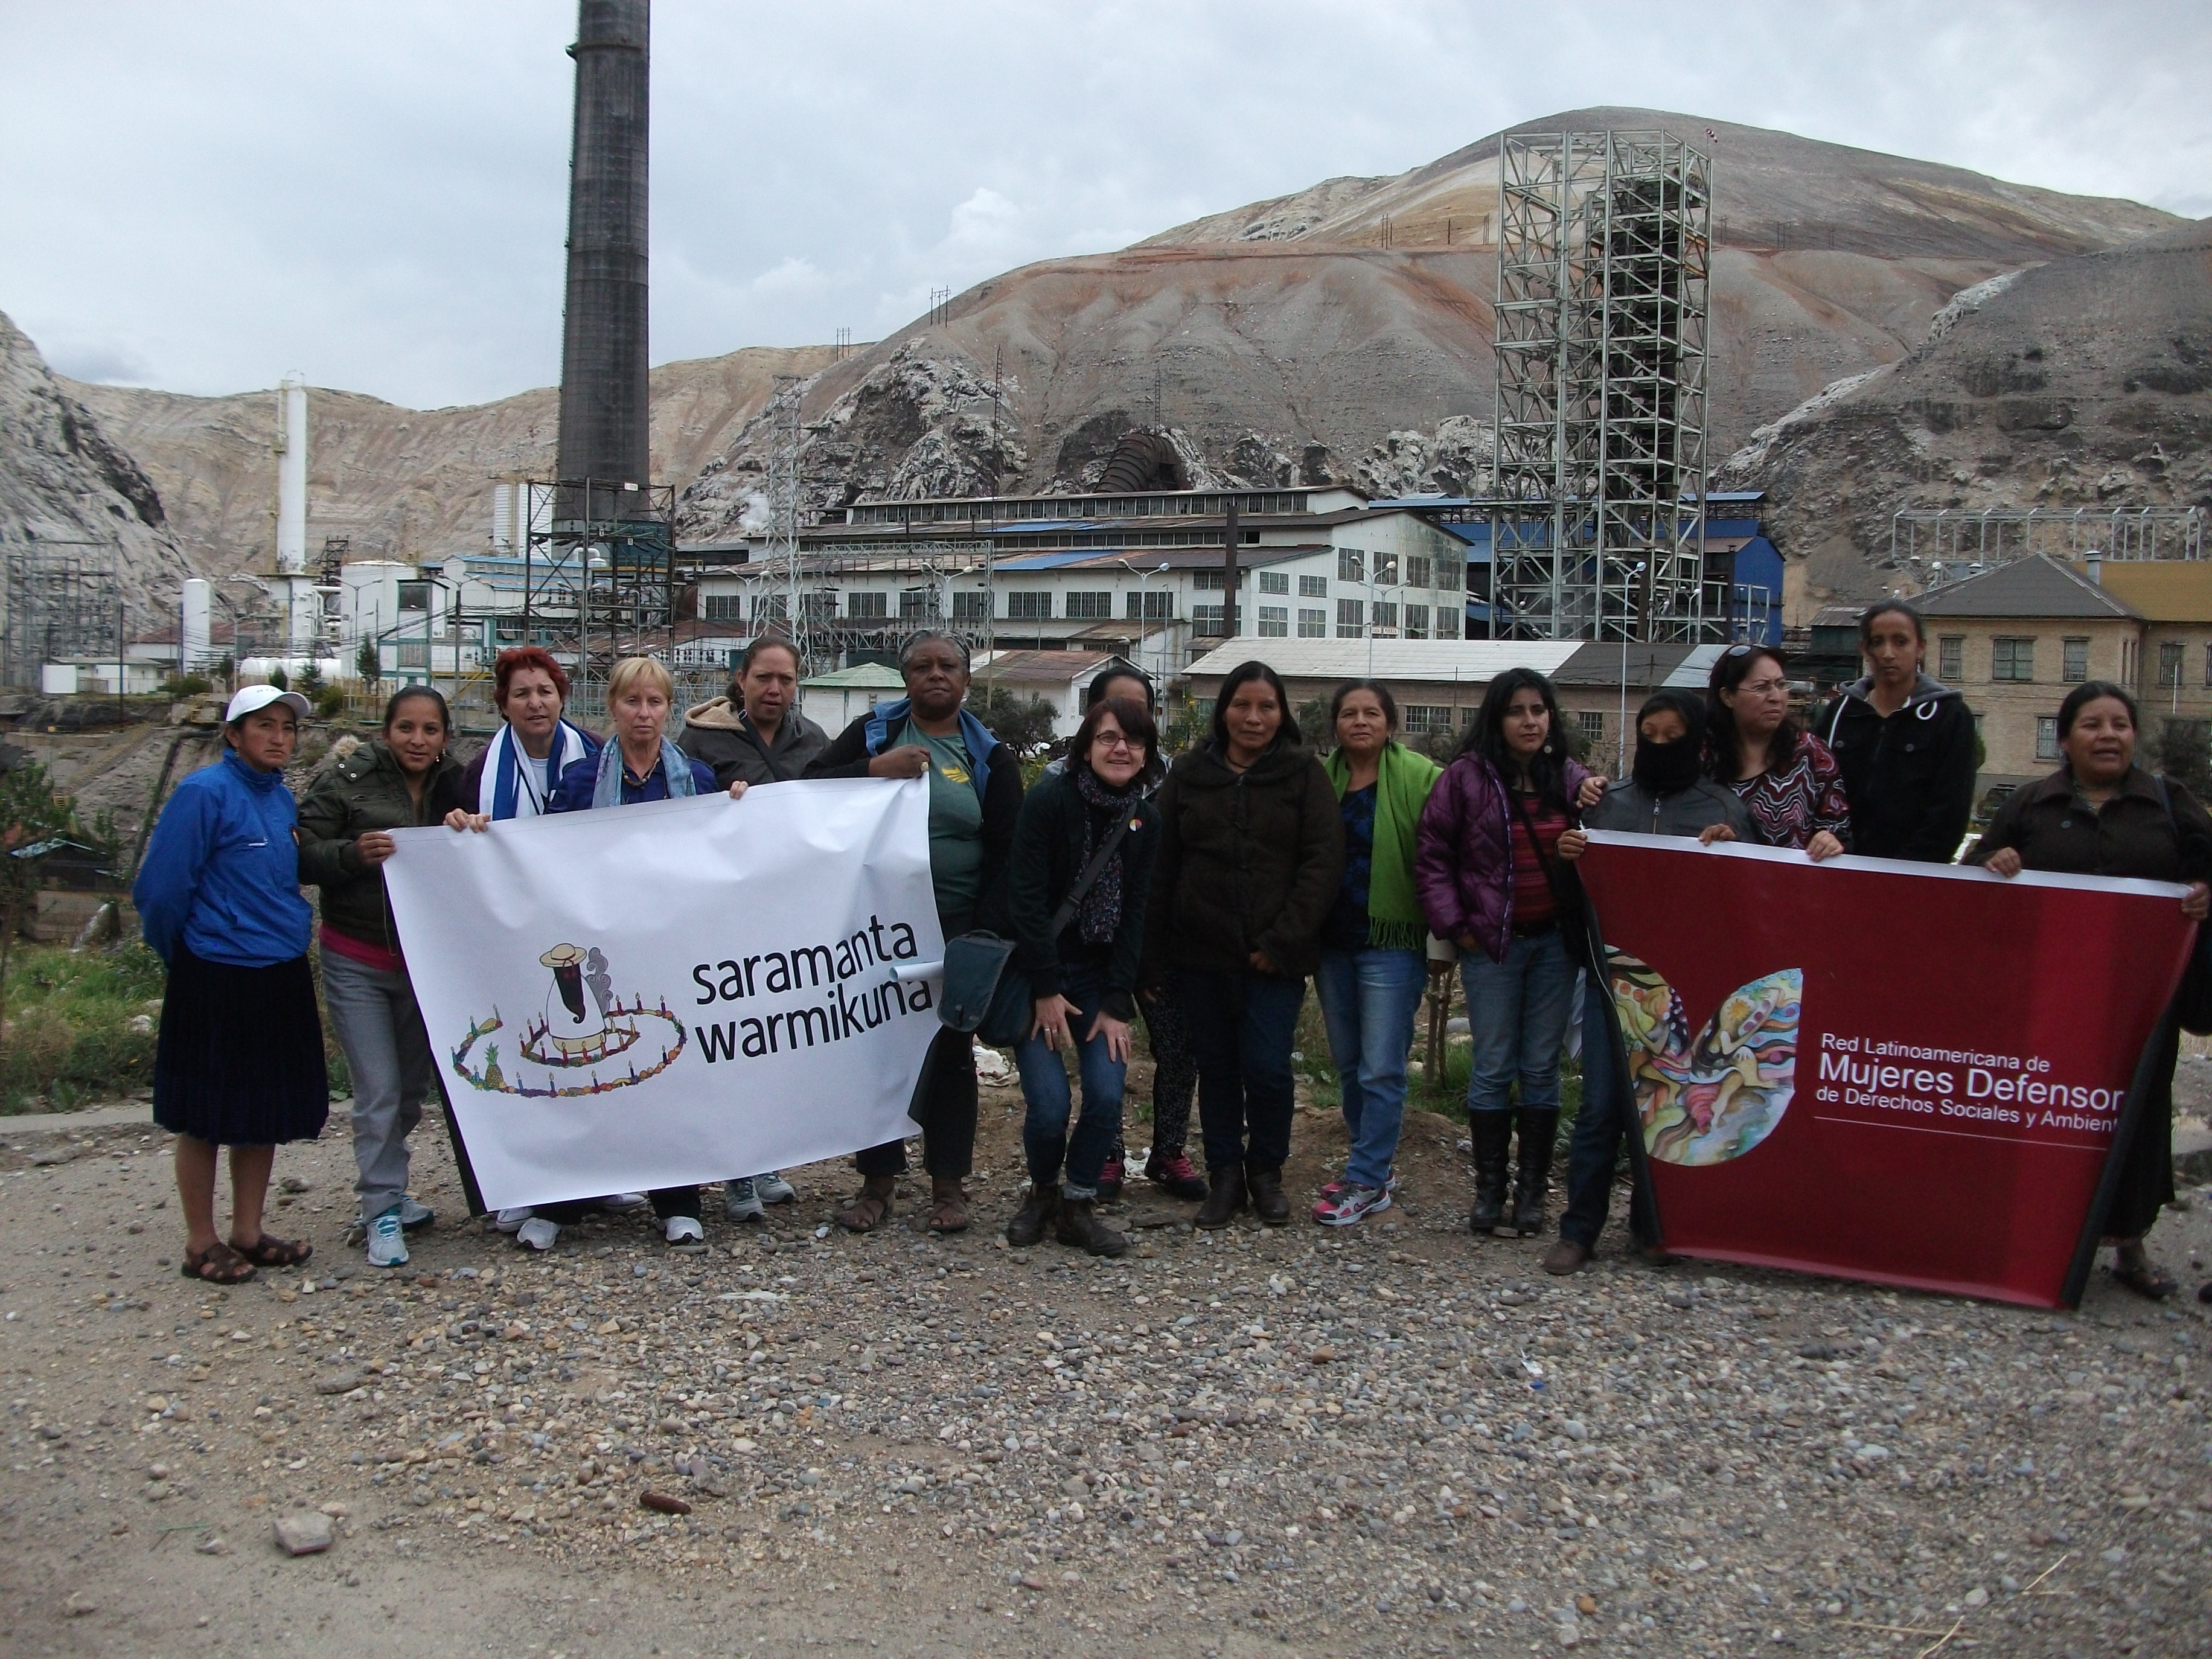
(253, 697)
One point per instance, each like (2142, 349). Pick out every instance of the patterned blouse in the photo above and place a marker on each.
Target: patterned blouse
(1788, 807)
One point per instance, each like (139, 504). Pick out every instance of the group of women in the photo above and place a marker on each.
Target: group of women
(1198, 898)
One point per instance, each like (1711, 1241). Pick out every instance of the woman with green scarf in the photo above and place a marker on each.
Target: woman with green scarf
(1374, 955)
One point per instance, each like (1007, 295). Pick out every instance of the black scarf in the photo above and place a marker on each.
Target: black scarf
(1098, 916)
(1668, 769)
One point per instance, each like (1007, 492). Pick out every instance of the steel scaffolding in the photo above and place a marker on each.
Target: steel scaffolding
(65, 603)
(598, 586)
(1949, 543)
(1603, 261)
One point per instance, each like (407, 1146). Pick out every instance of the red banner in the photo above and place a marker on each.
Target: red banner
(1904, 1072)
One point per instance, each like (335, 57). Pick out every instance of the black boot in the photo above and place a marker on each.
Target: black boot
(1080, 1226)
(1269, 1202)
(1493, 1134)
(1225, 1201)
(1540, 1133)
(1035, 1218)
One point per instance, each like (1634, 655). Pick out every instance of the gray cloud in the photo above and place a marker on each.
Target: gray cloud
(376, 193)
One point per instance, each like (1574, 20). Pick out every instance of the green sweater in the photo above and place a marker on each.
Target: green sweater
(1395, 920)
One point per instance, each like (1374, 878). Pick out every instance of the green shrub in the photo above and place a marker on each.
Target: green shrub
(187, 685)
(70, 1038)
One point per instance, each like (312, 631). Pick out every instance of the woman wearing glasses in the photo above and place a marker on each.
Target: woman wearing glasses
(1787, 778)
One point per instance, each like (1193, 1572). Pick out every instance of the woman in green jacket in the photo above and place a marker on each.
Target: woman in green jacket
(401, 780)
(1374, 946)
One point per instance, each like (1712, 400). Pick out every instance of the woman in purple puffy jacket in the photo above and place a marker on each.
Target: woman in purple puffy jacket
(1489, 876)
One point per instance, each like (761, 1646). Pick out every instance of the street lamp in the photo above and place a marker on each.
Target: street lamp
(1621, 735)
(1143, 617)
(1373, 589)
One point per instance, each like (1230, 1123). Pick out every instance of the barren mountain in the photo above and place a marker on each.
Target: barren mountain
(66, 483)
(401, 482)
(2083, 381)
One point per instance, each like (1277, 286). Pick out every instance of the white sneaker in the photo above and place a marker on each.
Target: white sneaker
(774, 1189)
(622, 1203)
(741, 1200)
(537, 1233)
(387, 1245)
(684, 1229)
(508, 1221)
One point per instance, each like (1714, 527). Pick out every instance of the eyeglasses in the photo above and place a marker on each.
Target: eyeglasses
(1115, 740)
(1764, 688)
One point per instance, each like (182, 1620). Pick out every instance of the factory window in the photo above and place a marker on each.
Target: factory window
(2012, 657)
(1418, 572)
(2169, 665)
(1951, 658)
(1313, 587)
(2046, 736)
(1313, 625)
(1385, 615)
(411, 654)
(414, 596)
(917, 604)
(1592, 722)
(1029, 607)
(1274, 581)
(767, 608)
(1210, 578)
(1351, 619)
(1451, 573)
(2074, 664)
(1350, 564)
(1153, 605)
(971, 607)
(1385, 570)
(1448, 621)
(2207, 665)
(820, 605)
(1274, 621)
(1423, 717)
(1089, 607)
(859, 606)
(724, 607)
(1206, 619)
(1417, 622)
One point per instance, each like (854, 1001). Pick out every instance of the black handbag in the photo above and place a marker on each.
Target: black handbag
(988, 996)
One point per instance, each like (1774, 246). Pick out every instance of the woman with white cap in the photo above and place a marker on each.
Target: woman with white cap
(238, 1063)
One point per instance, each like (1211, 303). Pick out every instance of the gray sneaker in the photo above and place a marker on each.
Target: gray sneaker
(413, 1213)
(774, 1189)
(741, 1200)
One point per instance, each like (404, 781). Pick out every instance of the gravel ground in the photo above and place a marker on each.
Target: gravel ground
(1390, 1439)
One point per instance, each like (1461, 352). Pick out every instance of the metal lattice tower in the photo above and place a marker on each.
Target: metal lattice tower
(794, 612)
(1603, 260)
(598, 585)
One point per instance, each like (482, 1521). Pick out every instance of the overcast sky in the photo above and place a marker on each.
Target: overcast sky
(201, 197)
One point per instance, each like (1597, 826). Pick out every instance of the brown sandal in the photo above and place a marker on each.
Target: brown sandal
(868, 1209)
(2142, 1275)
(948, 1207)
(267, 1252)
(218, 1264)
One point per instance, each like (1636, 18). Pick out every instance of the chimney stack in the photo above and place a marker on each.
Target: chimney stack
(604, 411)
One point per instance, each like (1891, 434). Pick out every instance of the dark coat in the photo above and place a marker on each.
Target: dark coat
(2150, 833)
(1909, 776)
(1630, 809)
(1249, 861)
(350, 797)
(1046, 861)
(1463, 858)
(721, 734)
(851, 750)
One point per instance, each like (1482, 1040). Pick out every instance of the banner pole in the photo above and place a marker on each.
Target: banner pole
(2163, 1040)
(468, 1187)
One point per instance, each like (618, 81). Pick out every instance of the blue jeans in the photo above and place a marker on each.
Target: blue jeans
(1604, 1118)
(1242, 1027)
(1369, 999)
(1044, 1090)
(1517, 1013)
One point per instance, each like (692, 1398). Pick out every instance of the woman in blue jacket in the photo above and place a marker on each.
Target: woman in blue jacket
(240, 1060)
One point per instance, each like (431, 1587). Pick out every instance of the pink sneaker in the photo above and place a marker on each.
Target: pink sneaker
(1349, 1205)
(1176, 1176)
(1335, 1186)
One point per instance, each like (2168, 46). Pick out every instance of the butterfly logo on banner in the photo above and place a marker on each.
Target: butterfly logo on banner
(567, 1038)
(1714, 1099)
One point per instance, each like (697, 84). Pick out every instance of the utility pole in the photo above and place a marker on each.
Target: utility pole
(1229, 569)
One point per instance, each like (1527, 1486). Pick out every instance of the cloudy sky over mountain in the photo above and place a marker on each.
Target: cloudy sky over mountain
(375, 192)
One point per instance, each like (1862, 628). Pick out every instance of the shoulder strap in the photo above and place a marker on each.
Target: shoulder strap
(1123, 824)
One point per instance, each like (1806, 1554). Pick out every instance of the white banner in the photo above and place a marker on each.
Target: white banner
(681, 991)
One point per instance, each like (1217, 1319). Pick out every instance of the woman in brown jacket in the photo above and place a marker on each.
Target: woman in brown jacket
(2102, 815)
(1251, 852)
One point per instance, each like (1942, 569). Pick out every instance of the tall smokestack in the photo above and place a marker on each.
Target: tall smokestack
(292, 476)
(604, 436)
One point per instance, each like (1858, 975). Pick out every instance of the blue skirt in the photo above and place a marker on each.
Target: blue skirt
(239, 1058)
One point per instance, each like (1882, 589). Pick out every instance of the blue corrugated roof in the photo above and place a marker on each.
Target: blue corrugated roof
(1049, 560)
(1038, 527)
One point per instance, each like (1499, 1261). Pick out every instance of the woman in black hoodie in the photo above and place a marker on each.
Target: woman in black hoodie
(1906, 744)
(1251, 851)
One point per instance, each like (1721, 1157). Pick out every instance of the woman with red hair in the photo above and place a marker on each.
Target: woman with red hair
(515, 775)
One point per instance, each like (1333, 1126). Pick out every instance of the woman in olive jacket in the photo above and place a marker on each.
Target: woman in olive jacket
(1251, 852)
(402, 780)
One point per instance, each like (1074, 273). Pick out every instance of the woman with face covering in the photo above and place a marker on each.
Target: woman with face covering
(1906, 744)
(1251, 851)
(239, 1058)
(402, 780)
(974, 801)
(1665, 794)
(1486, 868)
(2099, 814)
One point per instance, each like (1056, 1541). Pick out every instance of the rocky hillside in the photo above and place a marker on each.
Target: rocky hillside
(2085, 380)
(66, 481)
